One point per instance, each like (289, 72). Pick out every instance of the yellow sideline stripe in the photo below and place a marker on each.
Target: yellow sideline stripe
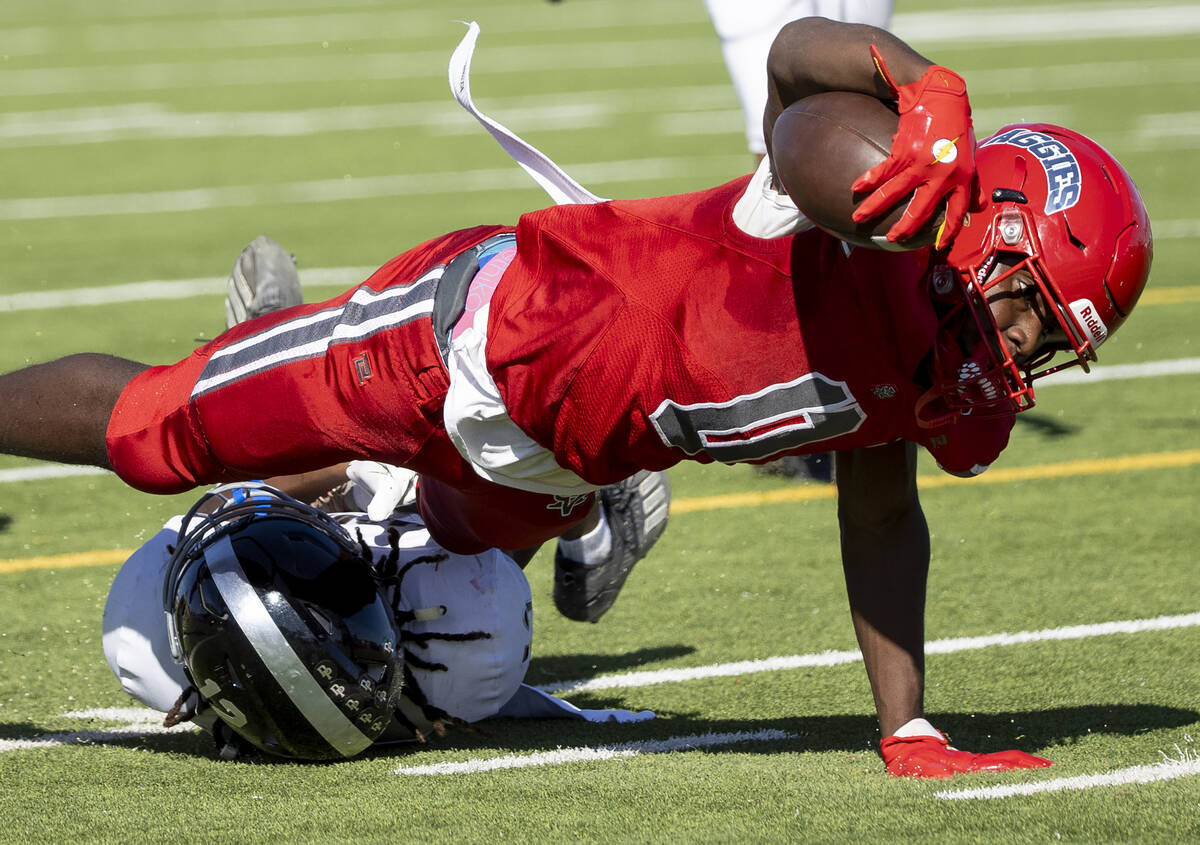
(67, 561)
(1097, 466)
(1170, 296)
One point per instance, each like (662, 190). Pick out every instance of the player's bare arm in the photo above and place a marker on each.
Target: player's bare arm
(814, 55)
(885, 558)
(310, 486)
(932, 156)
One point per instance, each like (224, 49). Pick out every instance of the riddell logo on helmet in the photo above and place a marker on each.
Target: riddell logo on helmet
(1064, 182)
(1085, 314)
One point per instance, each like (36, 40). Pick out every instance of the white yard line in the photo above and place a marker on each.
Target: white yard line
(1182, 366)
(130, 715)
(124, 733)
(1116, 372)
(1166, 770)
(344, 277)
(679, 110)
(629, 680)
(1176, 229)
(139, 721)
(150, 120)
(956, 26)
(1048, 23)
(584, 754)
(362, 66)
(143, 722)
(355, 188)
(403, 26)
(44, 472)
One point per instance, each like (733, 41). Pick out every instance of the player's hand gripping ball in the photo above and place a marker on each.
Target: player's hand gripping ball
(932, 155)
(820, 145)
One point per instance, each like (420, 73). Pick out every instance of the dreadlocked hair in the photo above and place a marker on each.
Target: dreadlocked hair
(179, 713)
(389, 573)
(386, 569)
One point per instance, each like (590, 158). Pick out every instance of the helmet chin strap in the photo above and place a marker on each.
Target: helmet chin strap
(963, 382)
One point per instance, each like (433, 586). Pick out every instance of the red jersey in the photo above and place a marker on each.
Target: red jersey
(623, 336)
(634, 334)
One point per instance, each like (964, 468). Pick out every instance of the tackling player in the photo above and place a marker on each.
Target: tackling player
(519, 369)
(454, 648)
(311, 635)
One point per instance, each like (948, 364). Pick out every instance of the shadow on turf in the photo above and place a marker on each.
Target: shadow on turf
(1030, 730)
(1036, 731)
(185, 742)
(1047, 426)
(558, 670)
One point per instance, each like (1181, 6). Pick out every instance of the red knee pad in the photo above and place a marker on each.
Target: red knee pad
(482, 515)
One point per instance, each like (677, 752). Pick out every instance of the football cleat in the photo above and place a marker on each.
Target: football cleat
(263, 279)
(635, 511)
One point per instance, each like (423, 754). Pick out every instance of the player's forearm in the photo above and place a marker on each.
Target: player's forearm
(885, 583)
(310, 486)
(885, 559)
(812, 55)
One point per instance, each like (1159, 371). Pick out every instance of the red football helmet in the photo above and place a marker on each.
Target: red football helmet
(1057, 204)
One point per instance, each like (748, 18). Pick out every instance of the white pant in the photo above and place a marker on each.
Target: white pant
(747, 28)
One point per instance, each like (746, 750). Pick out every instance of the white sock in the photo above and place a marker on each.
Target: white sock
(918, 727)
(592, 548)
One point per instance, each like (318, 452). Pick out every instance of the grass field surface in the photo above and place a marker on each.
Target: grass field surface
(145, 143)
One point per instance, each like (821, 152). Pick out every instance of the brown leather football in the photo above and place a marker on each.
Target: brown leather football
(820, 145)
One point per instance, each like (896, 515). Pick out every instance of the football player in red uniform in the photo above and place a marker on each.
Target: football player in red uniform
(519, 369)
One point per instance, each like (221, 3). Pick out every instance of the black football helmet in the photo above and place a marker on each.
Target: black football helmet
(277, 619)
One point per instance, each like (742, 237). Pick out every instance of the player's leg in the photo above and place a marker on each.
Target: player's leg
(307, 387)
(746, 32)
(60, 410)
(590, 569)
(471, 514)
(263, 279)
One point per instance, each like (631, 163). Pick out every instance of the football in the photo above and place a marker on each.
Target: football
(820, 145)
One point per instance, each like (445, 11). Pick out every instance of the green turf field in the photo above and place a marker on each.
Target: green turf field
(144, 143)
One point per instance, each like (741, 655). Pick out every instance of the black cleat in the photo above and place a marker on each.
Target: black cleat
(636, 513)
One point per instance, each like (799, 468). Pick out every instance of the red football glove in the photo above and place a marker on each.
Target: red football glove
(933, 151)
(932, 757)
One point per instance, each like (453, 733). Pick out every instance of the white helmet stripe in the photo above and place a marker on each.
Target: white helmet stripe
(1088, 318)
(277, 654)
